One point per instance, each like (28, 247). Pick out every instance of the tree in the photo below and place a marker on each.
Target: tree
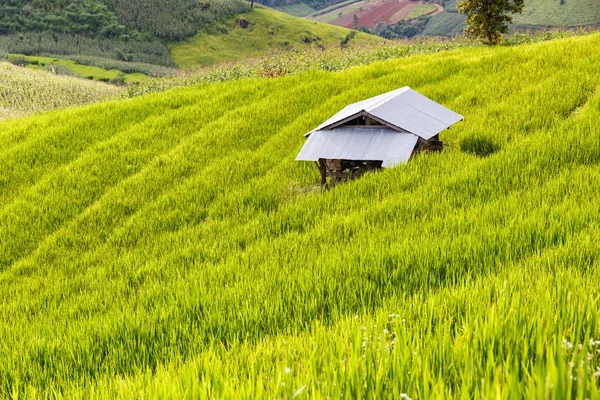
(488, 19)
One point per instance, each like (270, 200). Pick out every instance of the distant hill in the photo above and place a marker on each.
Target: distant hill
(167, 33)
(252, 33)
(126, 30)
(570, 13)
(173, 20)
(536, 15)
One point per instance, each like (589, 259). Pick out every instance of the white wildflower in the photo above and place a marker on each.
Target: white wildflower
(297, 393)
(287, 370)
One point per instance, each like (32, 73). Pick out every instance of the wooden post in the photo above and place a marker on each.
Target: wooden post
(323, 171)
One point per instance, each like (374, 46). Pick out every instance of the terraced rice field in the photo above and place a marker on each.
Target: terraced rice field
(169, 246)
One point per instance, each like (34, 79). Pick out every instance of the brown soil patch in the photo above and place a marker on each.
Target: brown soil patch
(387, 12)
(401, 15)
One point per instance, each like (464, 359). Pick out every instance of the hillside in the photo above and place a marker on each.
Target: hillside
(169, 246)
(125, 30)
(572, 13)
(536, 14)
(266, 30)
(116, 19)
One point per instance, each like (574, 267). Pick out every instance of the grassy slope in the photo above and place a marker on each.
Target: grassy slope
(269, 30)
(537, 12)
(552, 13)
(445, 24)
(170, 245)
(25, 91)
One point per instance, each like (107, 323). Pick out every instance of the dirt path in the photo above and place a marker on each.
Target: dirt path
(439, 9)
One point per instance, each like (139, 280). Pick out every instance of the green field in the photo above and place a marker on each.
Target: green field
(332, 13)
(268, 30)
(553, 13)
(537, 13)
(420, 10)
(169, 246)
(82, 71)
(445, 24)
(297, 10)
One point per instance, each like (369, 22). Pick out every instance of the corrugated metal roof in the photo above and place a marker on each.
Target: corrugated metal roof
(349, 143)
(404, 109)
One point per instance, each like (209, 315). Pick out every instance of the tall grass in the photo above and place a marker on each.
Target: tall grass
(25, 91)
(295, 60)
(169, 245)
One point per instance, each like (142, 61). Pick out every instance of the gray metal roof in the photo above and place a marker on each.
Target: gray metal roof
(354, 143)
(402, 109)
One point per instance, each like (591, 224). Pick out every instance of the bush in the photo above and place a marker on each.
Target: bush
(480, 145)
(118, 80)
(20, 61)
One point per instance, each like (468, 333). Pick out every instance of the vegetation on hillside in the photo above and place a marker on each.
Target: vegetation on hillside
(445, 24)
(293, 61)
(25, 91)
(53, 44)
(571, 13)
(125, 30)
(257, 32)
(116, 19)
(169, 245)
(71, 68)
(88, 17)
(175, 20)
(314, 4)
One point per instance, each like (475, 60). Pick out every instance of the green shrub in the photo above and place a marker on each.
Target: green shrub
(20, 61)
(478, 144)
(118, 80)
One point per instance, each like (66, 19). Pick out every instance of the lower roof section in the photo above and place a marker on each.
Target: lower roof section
(359, 143)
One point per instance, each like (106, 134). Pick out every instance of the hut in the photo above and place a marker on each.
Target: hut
(379, 132)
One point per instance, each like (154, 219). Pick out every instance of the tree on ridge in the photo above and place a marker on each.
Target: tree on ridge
(489, 19)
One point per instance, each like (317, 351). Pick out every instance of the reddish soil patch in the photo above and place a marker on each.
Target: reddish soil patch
(401, 15)
(374, 13)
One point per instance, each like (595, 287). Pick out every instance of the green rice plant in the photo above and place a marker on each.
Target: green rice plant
(479, 145)
(169, 246)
